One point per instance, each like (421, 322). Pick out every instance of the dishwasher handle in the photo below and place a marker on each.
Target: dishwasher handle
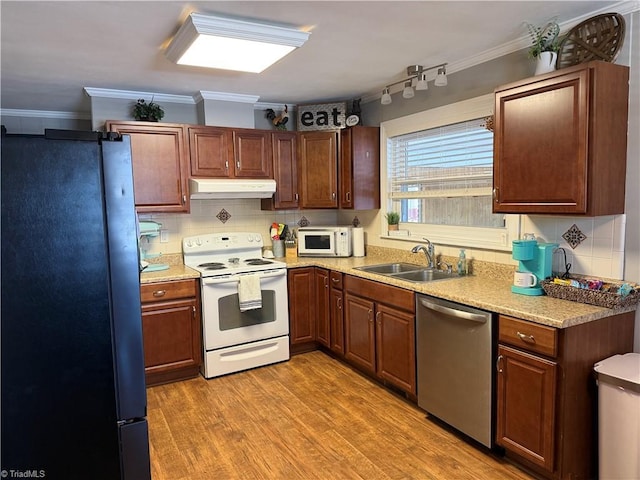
(474, 317)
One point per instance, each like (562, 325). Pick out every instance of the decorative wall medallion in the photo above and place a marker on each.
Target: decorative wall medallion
(355, 222)
(223, 216)
(303, 222)
(574, 236)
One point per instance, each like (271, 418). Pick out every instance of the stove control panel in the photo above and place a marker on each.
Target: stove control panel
(216, 242)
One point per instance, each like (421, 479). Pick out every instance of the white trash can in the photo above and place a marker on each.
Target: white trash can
(618, 379)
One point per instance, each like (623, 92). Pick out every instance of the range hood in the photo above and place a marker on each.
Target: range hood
(208, 188)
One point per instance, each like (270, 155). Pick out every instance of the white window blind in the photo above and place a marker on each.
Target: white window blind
(443, 175)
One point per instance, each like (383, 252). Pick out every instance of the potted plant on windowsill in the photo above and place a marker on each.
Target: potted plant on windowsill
(149, 112)
(545, 43)
(393, 219)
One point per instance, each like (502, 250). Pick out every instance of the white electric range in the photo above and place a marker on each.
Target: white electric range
(236, 340)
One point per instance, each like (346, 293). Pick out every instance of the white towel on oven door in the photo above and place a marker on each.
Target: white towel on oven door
(249, 293)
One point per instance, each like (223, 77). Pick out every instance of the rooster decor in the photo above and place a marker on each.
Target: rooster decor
(279, 121)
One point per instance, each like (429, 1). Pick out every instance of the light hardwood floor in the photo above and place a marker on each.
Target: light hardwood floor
(309, 418)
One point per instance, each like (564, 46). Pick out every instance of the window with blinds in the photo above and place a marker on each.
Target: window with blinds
(443, 175)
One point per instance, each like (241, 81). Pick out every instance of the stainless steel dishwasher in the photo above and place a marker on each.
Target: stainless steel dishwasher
(454, 369)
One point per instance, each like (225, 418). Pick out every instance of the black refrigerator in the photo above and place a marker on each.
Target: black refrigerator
(73, 388)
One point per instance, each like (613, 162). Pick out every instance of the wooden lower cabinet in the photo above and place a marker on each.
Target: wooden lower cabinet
(336, 314)
(527, 385)
(302, 319)
(546, 397)
(323, 324)
(379, 323)
(172, 330)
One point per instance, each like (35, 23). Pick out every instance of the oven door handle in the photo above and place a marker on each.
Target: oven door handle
(235, 278)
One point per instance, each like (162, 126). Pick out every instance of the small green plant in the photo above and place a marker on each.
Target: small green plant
(393, 218)
(544, 39)
(151, 112)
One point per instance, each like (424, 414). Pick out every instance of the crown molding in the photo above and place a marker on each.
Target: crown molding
(225, 97)
(135, 95)
(11, 112)
(274, 106)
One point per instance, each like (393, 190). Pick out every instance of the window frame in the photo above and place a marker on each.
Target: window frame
(459, 236)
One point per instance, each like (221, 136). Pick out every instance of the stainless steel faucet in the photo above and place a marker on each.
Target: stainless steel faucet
(428, 252)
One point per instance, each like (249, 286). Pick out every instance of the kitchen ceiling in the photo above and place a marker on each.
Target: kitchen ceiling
(52, 50)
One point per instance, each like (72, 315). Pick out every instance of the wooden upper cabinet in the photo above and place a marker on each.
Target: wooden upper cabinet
(285, 172)
(359, 160)
(160, 164)
(560, 142)
(318, 164)
(222, 152)
(211, 151)
(252, 154)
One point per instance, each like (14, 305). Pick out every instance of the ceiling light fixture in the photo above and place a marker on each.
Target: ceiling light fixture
(418, 77)
(232, 44)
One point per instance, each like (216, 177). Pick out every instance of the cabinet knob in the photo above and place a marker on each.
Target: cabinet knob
(297, 197)
(495, 195)
(378, 317)
(339, 303)
(370, 315)
(333, 196)
(238, 164)
(348, 196)
(159, 293)
(499, 364)
(226, 164)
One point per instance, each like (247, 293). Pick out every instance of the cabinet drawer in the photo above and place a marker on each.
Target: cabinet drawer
(160, 291)
(528, 336)
(336, 280)
(381, 292)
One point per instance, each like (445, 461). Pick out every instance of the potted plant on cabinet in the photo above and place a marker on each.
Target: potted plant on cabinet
(149, 112)
(545, 43)
(393, 219)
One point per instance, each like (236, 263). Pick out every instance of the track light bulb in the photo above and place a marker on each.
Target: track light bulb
(421, 84)
(408, 90)
(441, 78)
(386, 97)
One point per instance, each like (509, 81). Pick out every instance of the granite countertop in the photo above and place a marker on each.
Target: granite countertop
(484, 291)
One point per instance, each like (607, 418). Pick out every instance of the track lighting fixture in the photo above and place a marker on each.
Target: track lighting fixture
(418, 77)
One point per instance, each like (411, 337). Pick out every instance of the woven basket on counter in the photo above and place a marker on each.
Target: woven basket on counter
(592, 297)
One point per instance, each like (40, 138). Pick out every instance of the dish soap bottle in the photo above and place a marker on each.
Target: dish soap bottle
(462, 263)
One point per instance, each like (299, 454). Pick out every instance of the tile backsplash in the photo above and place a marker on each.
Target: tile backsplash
(239, 215)
(600, 254)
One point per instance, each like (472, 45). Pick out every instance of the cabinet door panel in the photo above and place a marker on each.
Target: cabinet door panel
(211, 151)
(318, 169)
(170, 335)
(322, 307)
(360, 332)
(158, 154)
(337, 321)
(302, 323)
(526, 406)
(395, 347)
(252, 153)
(541, 139)
(285, 172)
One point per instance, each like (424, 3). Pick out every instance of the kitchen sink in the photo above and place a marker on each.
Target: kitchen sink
(424, 275)
(407, 271)
(391, 268)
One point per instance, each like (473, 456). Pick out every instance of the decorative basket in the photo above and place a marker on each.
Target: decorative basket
(592, 297)
(597, 38)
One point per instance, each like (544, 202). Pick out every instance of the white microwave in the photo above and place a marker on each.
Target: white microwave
(324, 242)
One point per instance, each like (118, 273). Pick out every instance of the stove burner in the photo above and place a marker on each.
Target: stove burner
(216, 267)
(258, 261)
(211, 264)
